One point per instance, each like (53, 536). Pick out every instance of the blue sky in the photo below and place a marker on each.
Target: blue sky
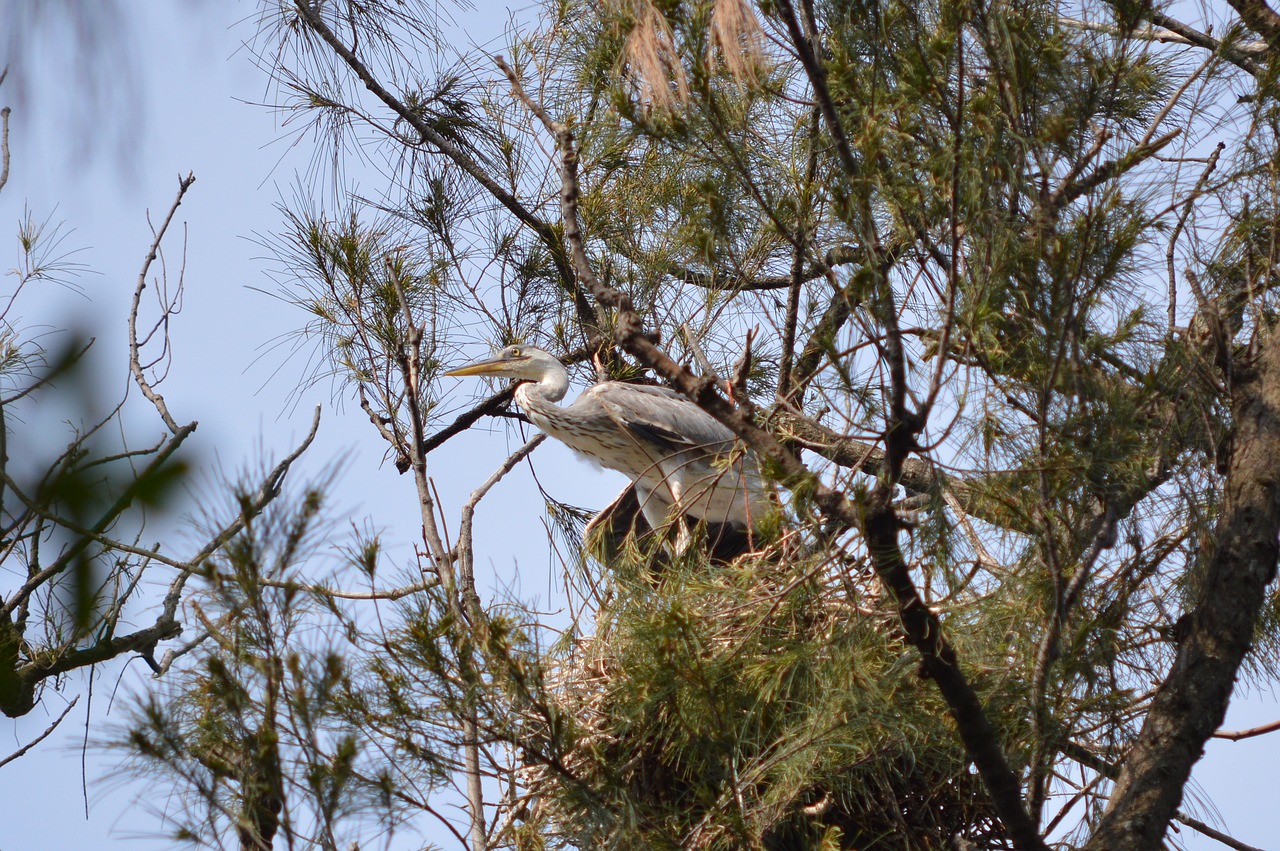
(194, 111)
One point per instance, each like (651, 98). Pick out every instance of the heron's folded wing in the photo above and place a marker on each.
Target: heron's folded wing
(661, 417)
(607, 532)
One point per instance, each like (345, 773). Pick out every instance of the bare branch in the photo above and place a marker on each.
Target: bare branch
(310, 15)
(1070, 190)
(135, 358)
(338, 594)
(159, 669)
(1237, 735)
(1260, 18)
(40, 738)
(144, 639)
(1240, 55)
(487, 407)
(841, 255)
(1168, 30)
(466, 552)
(1177, 231)
(4, 146)
(267, 491)
(1201, 827)
(1086, 757)
(107, 518)
(817, 74)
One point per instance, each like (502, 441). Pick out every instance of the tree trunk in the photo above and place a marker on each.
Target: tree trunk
(1192, 701)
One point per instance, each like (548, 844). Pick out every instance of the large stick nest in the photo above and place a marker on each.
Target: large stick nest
(765, 704)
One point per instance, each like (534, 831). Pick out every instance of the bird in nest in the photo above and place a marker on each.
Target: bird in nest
(683, 463)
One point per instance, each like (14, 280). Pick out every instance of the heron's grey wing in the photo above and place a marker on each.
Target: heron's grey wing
(661, 416)
(606, 533)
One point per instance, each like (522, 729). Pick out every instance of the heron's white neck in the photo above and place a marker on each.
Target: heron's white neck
(550, 388)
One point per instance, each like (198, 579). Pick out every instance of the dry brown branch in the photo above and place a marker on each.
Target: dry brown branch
(1237, 735)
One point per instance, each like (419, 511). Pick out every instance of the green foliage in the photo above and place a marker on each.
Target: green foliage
(959, 241)
(263, 722)
(770, 704)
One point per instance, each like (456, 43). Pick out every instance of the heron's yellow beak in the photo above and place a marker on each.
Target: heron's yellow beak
(489, 366)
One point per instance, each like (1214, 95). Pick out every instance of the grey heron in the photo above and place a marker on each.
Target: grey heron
(682, 461)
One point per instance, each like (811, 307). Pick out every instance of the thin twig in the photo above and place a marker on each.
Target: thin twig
(708, 369)
(159, 669)
(105, 520)
(1237, 735)
(466, 553)
(339, 594)
(1177, 231)
(267, 491)
(4, 145)
(954, 226)
(40, 738)
(135, 358)
(4, 135)
(799, 251)
(1201, 827)
(1174, 98)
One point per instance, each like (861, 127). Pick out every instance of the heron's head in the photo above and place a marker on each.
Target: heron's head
(522, 362)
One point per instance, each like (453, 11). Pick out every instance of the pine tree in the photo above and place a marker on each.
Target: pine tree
(985, 286)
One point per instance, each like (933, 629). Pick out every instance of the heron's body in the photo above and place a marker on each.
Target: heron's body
(681, 459)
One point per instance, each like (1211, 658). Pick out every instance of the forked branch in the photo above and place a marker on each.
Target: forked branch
(135, 354)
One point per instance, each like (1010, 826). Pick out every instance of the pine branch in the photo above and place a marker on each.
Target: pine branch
(875, 518)
(310, 15)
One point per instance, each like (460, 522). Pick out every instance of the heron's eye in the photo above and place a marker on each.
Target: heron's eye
(514, 351)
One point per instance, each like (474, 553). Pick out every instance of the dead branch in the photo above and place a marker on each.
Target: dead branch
(465, 549)
(40, 738)
(135, 364)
